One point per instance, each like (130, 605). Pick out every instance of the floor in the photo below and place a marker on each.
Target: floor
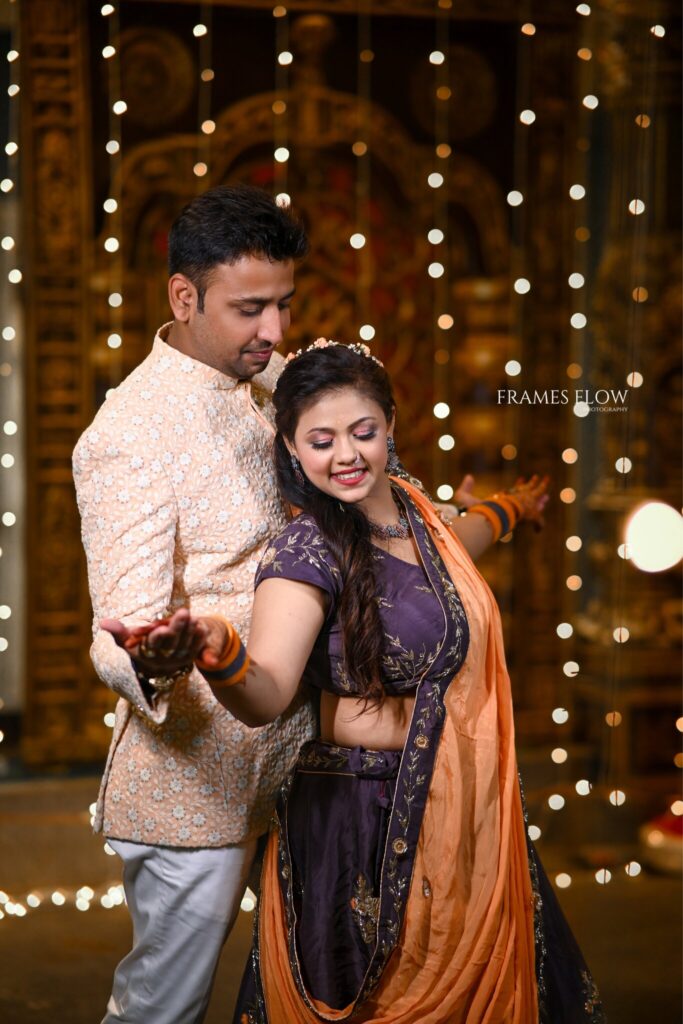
(56, 961)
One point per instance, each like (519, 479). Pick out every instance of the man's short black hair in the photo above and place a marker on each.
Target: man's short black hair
(227, 223)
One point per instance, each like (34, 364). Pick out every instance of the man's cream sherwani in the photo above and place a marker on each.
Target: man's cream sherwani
(177, 495)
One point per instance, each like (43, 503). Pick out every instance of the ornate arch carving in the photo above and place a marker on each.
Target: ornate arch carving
(157, 177)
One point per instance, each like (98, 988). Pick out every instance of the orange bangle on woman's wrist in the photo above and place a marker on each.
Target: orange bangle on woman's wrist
(503, 511)
(219, 680)
(516, 503)
(510, 507)
(490, 515)
(233, 664)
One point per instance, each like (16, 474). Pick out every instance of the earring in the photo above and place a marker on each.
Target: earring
(296, 470)
(393, 462)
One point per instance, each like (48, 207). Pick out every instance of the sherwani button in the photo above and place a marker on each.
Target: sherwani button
(399, 846)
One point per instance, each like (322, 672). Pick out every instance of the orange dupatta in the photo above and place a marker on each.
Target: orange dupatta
(466, 950)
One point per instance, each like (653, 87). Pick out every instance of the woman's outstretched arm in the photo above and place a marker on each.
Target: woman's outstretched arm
(287, 617)
(478, 532)
(286, 620)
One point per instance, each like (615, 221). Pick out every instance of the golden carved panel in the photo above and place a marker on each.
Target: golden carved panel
(57, 237)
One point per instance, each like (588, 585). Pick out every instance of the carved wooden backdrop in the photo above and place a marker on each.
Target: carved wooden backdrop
(62, 720)
(70, 366)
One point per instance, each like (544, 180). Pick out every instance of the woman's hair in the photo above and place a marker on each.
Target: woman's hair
(304, 381)
(226, 223)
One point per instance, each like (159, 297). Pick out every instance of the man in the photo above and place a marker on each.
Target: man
(177, 497)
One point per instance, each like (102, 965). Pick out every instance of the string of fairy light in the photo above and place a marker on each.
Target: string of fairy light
(203, 33)
(515, 198)
(570, 456)
(116, 108)
(11, 329)
(284, 58)
(521, 285)
(106, 896)
(362, 150)
(578, 321)
(438, 240)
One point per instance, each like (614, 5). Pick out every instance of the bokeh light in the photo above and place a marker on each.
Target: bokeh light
(654, 535)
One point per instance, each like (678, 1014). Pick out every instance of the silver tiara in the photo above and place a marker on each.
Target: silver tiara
(320, 343)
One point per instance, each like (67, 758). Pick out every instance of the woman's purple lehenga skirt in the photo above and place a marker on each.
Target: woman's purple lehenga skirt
(337, 828)
(337, 812)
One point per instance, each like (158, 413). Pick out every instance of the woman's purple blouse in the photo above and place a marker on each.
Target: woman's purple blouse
(425, 632)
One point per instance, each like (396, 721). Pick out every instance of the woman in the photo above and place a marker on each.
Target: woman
(397, 884)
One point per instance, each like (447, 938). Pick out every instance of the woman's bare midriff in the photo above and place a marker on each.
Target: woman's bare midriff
(343, 721)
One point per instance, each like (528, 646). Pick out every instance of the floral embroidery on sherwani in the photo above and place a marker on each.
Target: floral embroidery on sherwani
(178, 501)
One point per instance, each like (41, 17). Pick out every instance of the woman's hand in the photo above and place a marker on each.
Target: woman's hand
(533, 497)
(464, 496)
(168, 645)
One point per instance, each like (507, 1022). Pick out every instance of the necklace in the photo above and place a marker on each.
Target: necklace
(397, 531)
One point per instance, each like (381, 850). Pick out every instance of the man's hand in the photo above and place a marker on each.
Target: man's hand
(167, 645)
